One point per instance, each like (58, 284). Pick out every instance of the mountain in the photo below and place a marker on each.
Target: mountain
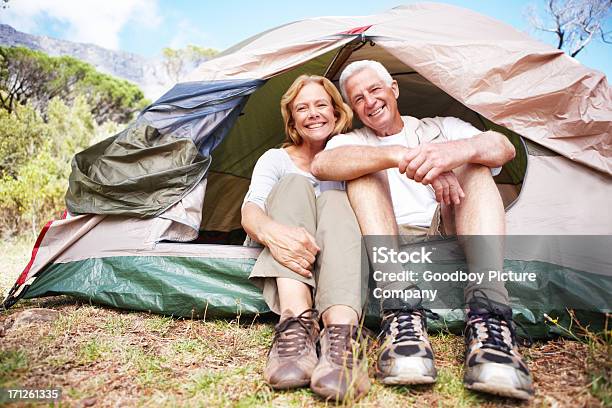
(149, 74)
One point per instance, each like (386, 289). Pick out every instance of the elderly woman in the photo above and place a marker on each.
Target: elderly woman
(312, 251)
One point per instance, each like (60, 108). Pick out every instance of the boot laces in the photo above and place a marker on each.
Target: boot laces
(492, 325)
(407, 325)
(291, 334)
(492, 331)
(343, 344)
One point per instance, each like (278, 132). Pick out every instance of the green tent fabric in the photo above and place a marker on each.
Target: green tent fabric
(138, 172)
(162, 156)
(202, 287)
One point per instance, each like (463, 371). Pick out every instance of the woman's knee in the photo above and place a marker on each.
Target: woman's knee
(295, 182)
(292, 187)
(333, 206)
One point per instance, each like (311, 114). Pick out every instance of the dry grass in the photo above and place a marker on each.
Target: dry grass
(105, 357)
(14, 255)
(136, 359)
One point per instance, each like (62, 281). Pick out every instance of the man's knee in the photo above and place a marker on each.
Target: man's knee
(368, 185)
(473, 171)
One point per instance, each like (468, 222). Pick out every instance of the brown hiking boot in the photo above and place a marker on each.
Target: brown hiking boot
(342, 371)
(293, 354)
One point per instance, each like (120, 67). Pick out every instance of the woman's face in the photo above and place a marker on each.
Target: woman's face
(313, 113)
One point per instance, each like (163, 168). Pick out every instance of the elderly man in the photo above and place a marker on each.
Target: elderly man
(399, 184)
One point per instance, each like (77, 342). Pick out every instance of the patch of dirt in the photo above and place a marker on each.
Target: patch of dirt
(104, 357)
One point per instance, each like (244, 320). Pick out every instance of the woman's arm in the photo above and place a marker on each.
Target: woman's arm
(292, 247)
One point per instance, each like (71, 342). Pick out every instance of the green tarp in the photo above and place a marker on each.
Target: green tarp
(195, 287)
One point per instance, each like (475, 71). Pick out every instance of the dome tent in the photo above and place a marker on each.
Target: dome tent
(184, 165)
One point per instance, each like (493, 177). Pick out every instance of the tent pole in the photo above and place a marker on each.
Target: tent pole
(342, 56)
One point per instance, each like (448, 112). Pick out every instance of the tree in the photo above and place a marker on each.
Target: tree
(21, 135)
(111, 98)
(25, 75)
(196, 55)
(28, 76)
(173, 61)
(575, 22)
(177, 61)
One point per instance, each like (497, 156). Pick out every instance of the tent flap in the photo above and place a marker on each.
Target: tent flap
(162, 156)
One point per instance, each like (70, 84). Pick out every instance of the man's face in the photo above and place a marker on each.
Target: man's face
(374, 101)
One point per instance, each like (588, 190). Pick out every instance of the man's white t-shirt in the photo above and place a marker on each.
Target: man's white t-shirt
(270, 168)
(413, 203)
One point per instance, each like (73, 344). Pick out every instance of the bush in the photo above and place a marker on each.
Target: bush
(50, 109)
(21, 134)
(35, 195)
(36, 159)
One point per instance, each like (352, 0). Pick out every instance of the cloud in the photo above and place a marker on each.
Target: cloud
(99, 22)
(187, 33)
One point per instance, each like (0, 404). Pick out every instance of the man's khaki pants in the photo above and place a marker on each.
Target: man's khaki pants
(337, 275)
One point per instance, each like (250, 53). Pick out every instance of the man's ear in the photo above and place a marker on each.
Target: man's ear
(395, 88)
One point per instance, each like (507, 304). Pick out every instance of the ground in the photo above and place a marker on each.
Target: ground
(105, 357)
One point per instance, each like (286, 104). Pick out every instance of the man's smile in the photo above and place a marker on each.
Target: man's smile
(377, 111)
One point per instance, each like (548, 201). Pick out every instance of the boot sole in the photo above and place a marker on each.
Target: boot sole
(290, 385)
(407, 380)
(333, 395)
(498, 389)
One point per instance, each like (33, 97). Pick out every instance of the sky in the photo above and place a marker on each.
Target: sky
(145, 27)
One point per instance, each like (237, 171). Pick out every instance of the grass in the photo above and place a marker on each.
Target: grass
(12, 361)
(598, 362)
(15, 255)
(108, 357)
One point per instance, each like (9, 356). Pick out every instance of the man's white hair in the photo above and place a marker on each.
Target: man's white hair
(358, 66)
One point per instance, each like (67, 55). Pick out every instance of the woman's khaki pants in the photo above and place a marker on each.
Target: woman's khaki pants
(337, 275)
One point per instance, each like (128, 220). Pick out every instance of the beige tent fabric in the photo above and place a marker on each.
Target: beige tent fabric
(181, 222)
(84, 236)
(266, 62)
(499, 72)
(131, 244)
(560, 198)
(61, 236)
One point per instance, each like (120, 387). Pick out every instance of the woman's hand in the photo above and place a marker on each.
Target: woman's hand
(292, 247)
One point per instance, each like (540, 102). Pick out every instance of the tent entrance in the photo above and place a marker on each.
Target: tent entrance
(260, 128)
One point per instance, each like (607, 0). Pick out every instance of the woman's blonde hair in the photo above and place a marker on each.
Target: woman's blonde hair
(343, 113)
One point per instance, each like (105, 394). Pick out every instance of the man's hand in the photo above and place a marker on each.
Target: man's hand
(447, 189)
(427, 162)
(292, 247)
